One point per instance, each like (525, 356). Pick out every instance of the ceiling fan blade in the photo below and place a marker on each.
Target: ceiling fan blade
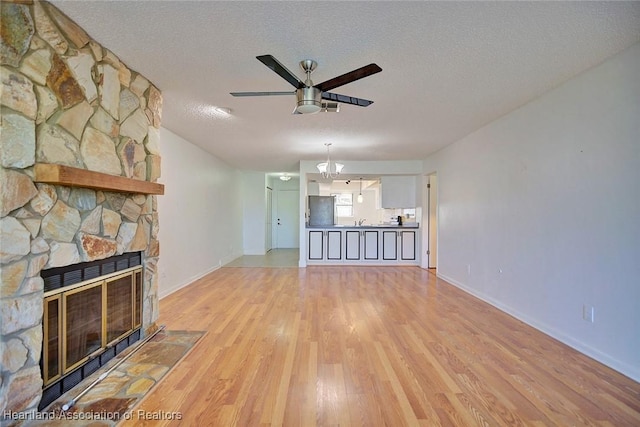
(281, 70)
(352, 76)
(346, 99)
(261, 93)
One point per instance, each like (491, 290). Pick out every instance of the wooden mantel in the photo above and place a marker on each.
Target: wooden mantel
(74, 177)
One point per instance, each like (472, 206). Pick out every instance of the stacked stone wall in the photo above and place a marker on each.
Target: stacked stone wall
(65, 100)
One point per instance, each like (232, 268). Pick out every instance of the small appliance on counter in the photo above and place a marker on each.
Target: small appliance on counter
(396, 220)
(321, 210)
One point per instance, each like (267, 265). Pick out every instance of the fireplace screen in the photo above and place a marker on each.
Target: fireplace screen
(82, 324)
(119, 302)
(83, 320)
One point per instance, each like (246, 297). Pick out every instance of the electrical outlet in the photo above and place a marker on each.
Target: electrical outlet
(588, 313)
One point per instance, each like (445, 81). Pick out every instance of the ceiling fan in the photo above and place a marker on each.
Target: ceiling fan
(310, 97)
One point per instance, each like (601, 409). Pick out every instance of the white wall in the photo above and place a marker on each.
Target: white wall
(200, 213)
(549, 194)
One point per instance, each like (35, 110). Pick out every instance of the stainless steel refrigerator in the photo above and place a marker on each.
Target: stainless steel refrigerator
(321, 210)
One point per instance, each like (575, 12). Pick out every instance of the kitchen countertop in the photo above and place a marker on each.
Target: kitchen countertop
(410, 225)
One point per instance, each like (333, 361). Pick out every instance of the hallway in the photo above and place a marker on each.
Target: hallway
(275, 258)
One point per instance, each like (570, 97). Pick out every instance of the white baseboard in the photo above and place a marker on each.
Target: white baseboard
(227, 259)
(166, 292)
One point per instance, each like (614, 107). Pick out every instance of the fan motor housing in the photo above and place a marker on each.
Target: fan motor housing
(309, 100)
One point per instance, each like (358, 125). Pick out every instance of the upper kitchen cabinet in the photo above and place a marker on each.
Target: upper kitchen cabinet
(399, 191)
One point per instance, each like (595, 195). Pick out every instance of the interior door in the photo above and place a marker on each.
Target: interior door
(287, 219)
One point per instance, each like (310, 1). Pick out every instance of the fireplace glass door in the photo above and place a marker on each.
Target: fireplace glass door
(120, 295)
(137, 300)
(53, 349)
(82, 322)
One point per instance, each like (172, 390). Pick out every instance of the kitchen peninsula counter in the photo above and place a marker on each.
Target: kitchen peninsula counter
(375, 244)
(413, 225)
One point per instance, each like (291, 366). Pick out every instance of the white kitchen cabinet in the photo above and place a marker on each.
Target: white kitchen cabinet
(398, 191)
(407, 245)
(353, 245)
(316, 244)
(362, 246)
(389, 245)
(371, 244)
(325, 245)
(399, 244)
(334, 245)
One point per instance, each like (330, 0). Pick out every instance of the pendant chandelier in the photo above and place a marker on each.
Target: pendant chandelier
(360, 197)
(325, 168)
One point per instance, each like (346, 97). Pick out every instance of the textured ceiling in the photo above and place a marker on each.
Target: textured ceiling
(448, 67)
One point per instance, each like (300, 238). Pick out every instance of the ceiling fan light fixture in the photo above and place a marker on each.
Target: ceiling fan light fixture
(309, 100)
(307, 107)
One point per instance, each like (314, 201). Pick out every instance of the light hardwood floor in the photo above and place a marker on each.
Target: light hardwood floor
(352, 346)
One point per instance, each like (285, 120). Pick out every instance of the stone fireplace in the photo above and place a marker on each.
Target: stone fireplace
(79, 165)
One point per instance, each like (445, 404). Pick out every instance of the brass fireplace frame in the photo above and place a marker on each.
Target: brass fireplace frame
(58, 299)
